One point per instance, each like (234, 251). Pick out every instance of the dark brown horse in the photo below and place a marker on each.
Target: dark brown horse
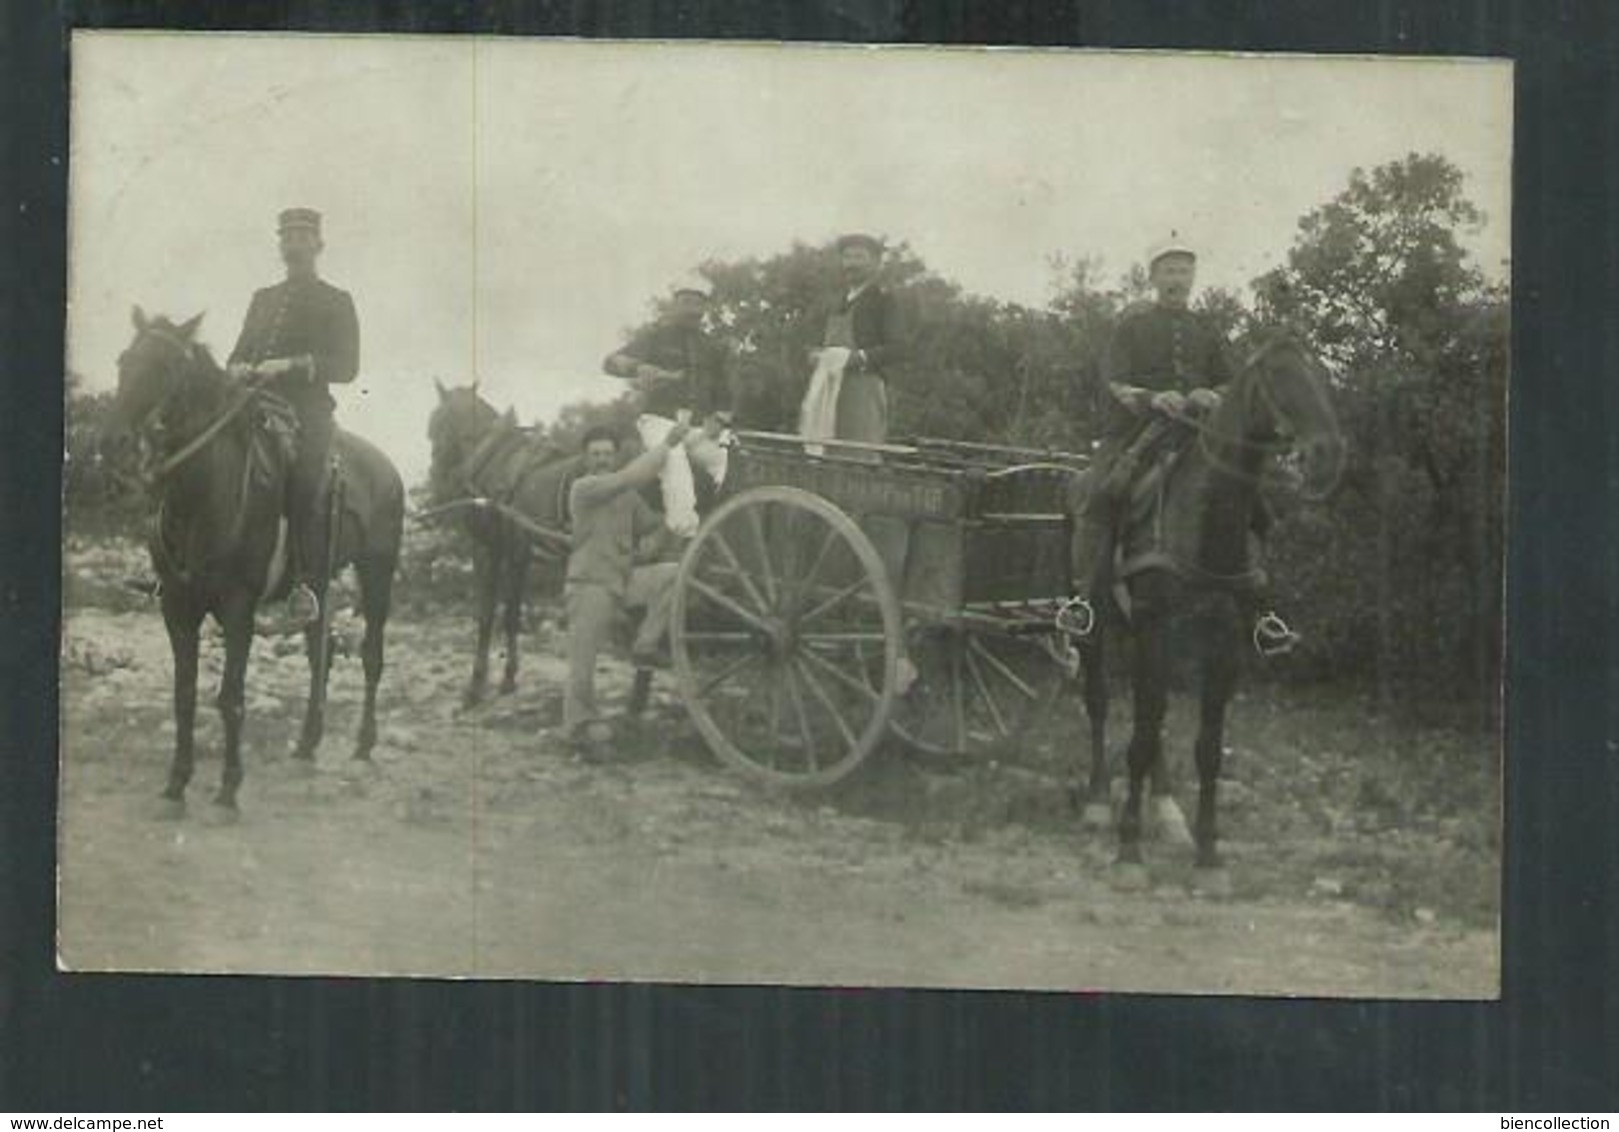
(1186, 554)
(218, 539)
(509, 491)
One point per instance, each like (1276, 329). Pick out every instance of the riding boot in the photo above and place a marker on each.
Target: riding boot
(302, 606)
(1094, 538)
(308, 518)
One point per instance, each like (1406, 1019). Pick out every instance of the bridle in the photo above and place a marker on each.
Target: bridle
(188, 354)
(1210, 439)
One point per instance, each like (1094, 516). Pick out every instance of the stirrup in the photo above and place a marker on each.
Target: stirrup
(1077, 617)
(303, 606)
(1273, 636)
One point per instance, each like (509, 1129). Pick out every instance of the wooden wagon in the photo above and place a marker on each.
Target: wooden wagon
(838, 593)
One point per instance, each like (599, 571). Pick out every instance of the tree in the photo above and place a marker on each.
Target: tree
(1416, 340)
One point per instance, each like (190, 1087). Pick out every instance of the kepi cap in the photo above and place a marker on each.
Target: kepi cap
(1174, 245)
(295, 218)
(860, 240)
(692, 285)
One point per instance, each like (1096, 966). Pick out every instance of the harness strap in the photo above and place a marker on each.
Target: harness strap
(205, 437)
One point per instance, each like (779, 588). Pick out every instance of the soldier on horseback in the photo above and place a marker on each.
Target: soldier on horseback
(1166, 363)
(300, 336)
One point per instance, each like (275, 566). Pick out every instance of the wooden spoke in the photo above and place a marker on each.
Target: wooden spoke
(834, 601)
(729, 604)
(958, 701)
(765, 563)
(1000, 666)
(988, 696)
(803, 582)
(775, 711)
(724, 546)
(804, 728)
(821, 694)
(976, 689)
(725, 674)
(841, 638)
(714, 637)
(840, 676)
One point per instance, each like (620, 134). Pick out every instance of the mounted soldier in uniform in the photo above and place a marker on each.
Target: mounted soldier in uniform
(1165, 364)
(300, 336)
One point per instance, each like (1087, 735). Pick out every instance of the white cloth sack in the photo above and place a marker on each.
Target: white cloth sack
(818, 416)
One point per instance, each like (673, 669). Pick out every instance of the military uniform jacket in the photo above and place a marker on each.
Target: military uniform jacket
(298, 318)
(1156, 349)
(704, 387)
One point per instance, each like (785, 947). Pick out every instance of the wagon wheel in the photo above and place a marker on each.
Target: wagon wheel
(785, 632)
(976, 690)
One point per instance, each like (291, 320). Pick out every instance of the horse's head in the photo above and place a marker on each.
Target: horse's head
(1293, 404)
(151, 369)
(459, 421)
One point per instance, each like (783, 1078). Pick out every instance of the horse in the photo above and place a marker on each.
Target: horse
(510, 490)
(1184, 549)
(218, 539)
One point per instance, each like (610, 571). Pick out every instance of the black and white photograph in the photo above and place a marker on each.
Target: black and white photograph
(785, 514)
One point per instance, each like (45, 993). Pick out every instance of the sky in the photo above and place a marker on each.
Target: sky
(506, 208)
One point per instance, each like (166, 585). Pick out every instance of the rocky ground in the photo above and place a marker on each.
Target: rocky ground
(1364, 853)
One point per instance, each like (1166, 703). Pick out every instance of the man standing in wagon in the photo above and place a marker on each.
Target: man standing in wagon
(862, 337)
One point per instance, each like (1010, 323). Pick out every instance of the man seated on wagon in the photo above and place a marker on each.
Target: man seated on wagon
(681, 372)
(606, 576)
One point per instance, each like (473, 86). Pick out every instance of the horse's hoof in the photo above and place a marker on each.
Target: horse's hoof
(1212, 881)
(303, 763)
(1131, 876)
(1096, 816)
(1170, 823)
(169, 809)
(223, 813)
(507, 687)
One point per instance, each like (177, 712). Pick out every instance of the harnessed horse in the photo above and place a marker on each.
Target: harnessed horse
(510, 491)
(218, 539)
(1187, 551)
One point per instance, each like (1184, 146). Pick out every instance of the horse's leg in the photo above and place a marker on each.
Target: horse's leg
(376, 578)
(1149, 679)
(1168, 819)
(486, 558)
(1221, 664)
(237, 620)
(1098, 805)
(183, 621)
(516, 580)
(319, 654)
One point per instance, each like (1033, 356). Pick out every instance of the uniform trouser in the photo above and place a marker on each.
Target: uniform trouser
(592, 610)
(1097, 532)
(305, 515)
(679, 490)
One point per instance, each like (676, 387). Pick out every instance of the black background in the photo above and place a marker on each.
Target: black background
(86, 1043)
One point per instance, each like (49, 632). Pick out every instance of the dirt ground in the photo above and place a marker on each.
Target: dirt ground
(479, 845)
